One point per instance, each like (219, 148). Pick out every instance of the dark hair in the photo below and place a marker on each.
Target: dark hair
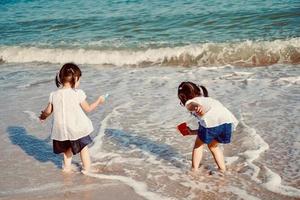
(189, 90)
(68, 74)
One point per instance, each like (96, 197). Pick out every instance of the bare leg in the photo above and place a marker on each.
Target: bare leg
(85, 158)
(197, 154)
(218, 155)
(67, 160)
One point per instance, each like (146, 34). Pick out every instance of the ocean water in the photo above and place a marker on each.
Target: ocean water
(185, 33)
(246, 53)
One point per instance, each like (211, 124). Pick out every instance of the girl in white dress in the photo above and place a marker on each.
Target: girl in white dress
(71, 127)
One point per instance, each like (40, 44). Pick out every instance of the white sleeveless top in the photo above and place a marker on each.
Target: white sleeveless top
(216, 114)
(69, 120)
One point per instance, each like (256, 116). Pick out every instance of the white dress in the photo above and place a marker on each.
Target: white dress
(216, 114)
(69, 120)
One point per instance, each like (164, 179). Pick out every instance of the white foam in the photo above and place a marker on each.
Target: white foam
(34, 83)
(290, 80)
(230, 160)
(259, 146)
(272, 182)
(237, 76)
(247, 53)
(96, 149)
(139, 187)
(31, 115)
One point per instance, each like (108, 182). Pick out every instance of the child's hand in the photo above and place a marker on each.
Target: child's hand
(101, 99)
(46, 113)
(189, 131)
(197, 108)
(43, 116)
(192, 132)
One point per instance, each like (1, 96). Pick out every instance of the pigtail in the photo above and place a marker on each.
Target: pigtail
(73, 79)
(68, 73)
(189, 90)
(57, 80)
(204, 91)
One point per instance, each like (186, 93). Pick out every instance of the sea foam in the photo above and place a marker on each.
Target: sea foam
(247, 53)
(271, 181)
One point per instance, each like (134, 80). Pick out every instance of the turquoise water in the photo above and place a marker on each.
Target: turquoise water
(145, 24)
(151, 33)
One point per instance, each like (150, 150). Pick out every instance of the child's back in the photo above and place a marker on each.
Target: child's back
(69, 121)
(71, 127)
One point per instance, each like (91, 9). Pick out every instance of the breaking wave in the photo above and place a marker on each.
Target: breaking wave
(247, 53)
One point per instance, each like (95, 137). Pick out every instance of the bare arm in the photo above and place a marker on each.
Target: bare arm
(90, 107)
(46, 112)
(196, 107)
(192, 132)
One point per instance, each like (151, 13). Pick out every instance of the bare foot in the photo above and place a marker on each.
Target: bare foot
(67, 169)
(90, 170)
(70, 169)
(219, 172)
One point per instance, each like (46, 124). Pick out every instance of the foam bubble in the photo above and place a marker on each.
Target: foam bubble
(259, 146)
(34, 83)
(272, 180)
(31, 115)
(98, 140)
(290, 80)
(230, 160)
(273, 183)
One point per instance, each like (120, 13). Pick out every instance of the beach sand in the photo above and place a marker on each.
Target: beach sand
(32, 174)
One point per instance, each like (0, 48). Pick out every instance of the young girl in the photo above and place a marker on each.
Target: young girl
(71, 127)
(216, 122)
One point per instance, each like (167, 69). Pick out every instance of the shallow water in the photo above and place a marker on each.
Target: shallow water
(139, 52)
(135, 140)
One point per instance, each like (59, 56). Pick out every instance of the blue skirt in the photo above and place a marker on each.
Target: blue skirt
(75, 145)
(221, 133)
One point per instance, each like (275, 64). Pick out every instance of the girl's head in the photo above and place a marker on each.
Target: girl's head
(69, 73)
(189, 90)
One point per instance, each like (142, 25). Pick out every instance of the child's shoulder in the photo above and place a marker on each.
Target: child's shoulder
(80, 94)
(53, 92)
(79, 91)
(201, 99)
(69, 90)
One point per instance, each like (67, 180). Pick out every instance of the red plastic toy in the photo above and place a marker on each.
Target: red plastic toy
(183, 129)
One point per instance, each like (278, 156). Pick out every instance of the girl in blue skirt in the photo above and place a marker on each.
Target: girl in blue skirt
(216, 123)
